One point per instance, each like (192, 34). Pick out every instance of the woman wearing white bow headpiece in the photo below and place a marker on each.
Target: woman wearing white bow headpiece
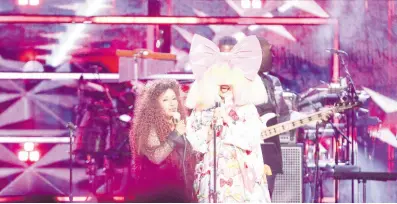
(231, 81)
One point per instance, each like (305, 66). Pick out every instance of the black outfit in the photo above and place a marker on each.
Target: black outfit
(271, 150)
(166, 182)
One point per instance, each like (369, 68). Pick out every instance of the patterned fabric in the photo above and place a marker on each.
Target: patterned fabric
(240, 169)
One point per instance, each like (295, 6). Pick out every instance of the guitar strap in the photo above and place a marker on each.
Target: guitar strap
(271, 105)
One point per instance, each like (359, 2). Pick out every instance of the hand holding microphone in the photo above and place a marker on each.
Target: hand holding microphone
(176, 138)
(180, 126)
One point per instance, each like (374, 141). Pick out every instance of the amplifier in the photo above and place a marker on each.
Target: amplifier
(290, 136)
(289, 185)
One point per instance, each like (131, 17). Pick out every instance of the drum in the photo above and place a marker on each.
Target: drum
(119, 151)
(89, 141)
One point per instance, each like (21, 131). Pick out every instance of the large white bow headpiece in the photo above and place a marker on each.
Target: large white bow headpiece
(245, 55)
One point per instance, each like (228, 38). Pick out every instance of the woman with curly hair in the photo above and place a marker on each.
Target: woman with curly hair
(160, 150)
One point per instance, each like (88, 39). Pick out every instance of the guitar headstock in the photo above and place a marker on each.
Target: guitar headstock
(339, 107)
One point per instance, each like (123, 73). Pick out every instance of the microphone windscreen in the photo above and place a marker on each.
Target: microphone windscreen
(176, 116)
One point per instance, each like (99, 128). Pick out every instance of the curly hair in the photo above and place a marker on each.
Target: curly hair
(150, 115)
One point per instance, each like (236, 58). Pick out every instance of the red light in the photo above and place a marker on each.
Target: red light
(185, 88)
(27, 55)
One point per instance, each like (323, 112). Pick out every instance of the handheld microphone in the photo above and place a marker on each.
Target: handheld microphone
(176, 117)
(338, 52)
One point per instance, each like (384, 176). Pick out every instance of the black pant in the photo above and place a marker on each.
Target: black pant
(271, 181)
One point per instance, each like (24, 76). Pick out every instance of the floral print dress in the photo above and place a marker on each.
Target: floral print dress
(240, 175)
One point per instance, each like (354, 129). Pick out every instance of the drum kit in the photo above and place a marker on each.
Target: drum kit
(99, 138)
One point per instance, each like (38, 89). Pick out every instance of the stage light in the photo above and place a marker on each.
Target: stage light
(28, 146)
(23, 156)
(33, 66)
(285, 7)
(118, 198)
(246, 4)
(11, 139)
(23, 2)
(125, 118)
(239, 36)
(75, 199)
(34, 156)
(185, 88)
(158, 43)
(257, 4)
(34, 2)
(59, 76)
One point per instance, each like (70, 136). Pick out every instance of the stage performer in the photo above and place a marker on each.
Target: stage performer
(161, 152)
(230, 80)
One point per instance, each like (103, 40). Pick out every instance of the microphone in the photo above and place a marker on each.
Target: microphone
(338, 52)
(176, 117)
(71, 126)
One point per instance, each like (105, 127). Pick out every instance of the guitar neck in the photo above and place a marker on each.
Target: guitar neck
(290, 125)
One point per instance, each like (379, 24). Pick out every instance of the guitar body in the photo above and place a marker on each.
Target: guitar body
(265, 118)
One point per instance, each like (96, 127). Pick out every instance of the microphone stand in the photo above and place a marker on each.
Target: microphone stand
(71, 128)
(338, 132)
(214, 193)
(352, 97)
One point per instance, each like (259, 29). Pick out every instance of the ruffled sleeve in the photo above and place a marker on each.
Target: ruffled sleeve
(198, 128)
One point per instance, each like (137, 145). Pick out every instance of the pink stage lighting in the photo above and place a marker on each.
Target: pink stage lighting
(29, 153)
(34, 2)
(23, 2)
(28, 2)
(34, 156)
(75, 199)
(246, 4)
(23, 156)
(28, 146)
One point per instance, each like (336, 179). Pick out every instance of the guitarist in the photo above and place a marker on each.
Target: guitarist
(271, 149)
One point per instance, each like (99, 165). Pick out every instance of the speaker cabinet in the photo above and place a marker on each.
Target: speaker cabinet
(289, 185)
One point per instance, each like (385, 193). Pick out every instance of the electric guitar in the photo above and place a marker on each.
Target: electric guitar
(274, 130)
